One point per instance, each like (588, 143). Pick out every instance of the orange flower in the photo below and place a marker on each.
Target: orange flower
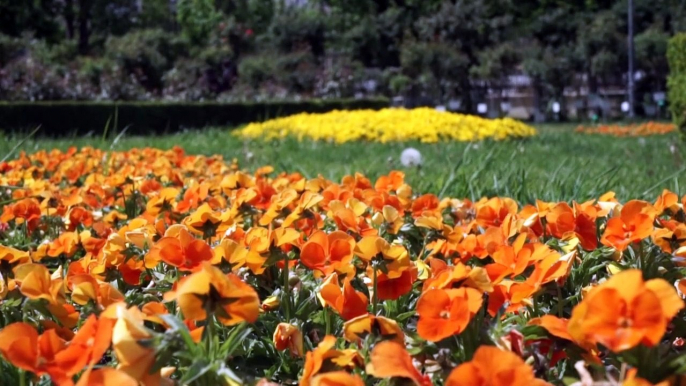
(85, 288)
(49, 354)
(395, 256)
(347, 302)
(493, 367)
(288, 336)
(35, 282)
(260, 242)
(625, 311)
(181, 250)
(559, 327)
(25, 211)
(210, 290)
(326, 358)
(306, 203)
(106, 376)
(326, 253)
(11, 255)
(564, 222)
(391, 359)
(392, 288)
(66, 244)
(443, 313)
(511, 261)
(337, 378)
(634, 224)
(357, 328)
(134, 359)
(491, 213)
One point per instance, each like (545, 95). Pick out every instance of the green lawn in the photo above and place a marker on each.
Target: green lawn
(558, 164)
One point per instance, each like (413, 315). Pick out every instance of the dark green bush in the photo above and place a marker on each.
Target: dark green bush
(146, 54)
(10, 48)
(676, 82)
(63, 118)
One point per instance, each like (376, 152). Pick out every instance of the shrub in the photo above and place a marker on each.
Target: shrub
(146, 54)
(62, 118)
(297, 29)
(197, 18)
(676, 82)
(10, 48)
(257, 69)
(297, 71)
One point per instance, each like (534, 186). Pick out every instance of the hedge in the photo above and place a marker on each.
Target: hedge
(676, 81)
(70, 117)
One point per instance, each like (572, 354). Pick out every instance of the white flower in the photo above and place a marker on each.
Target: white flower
(411, 157)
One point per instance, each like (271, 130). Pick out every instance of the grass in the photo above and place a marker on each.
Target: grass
(558, 164)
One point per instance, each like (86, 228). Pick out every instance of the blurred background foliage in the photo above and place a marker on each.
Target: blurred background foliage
(426, 50)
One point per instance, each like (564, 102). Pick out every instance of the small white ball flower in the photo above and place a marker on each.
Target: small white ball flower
(411, 157)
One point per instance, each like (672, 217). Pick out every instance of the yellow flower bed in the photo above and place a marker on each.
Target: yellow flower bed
(388, 125)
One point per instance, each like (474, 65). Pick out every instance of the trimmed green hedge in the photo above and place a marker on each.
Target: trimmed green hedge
(62, 118)
(676, 82)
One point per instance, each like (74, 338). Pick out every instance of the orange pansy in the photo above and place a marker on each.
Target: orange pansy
(493, 367)
(210, 290)
(326, 253)
(625, 311)
(443, 313)
(288, 336)
(391, 359)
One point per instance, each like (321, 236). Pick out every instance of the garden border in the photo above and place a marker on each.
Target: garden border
(80, 117)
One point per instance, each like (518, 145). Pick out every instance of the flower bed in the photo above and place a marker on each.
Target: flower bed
(156, 266)
(388, 125)
(632, 130)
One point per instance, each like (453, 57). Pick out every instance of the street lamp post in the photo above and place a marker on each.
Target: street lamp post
(630, 38)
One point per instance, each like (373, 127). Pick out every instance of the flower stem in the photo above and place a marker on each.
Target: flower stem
(287, 292)
(22, 378)
(327, 320)
(560, 302)
(375, 295)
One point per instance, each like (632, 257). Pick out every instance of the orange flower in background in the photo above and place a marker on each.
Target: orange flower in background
(348, 302)
(181, 250)
(634, 224)
(24, 211)
(66, 244)
(391, 359)
(210, 290)
(443, 313)
(35, 282)
(625, 311)
(12, 255)
(493, 367)
(326, 253)
(357, 328)
(288, 336)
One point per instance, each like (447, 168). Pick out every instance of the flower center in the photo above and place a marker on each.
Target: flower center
(625, 322)
(444, 314)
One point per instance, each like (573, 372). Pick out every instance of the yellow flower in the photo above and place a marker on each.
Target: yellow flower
(388, 125)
